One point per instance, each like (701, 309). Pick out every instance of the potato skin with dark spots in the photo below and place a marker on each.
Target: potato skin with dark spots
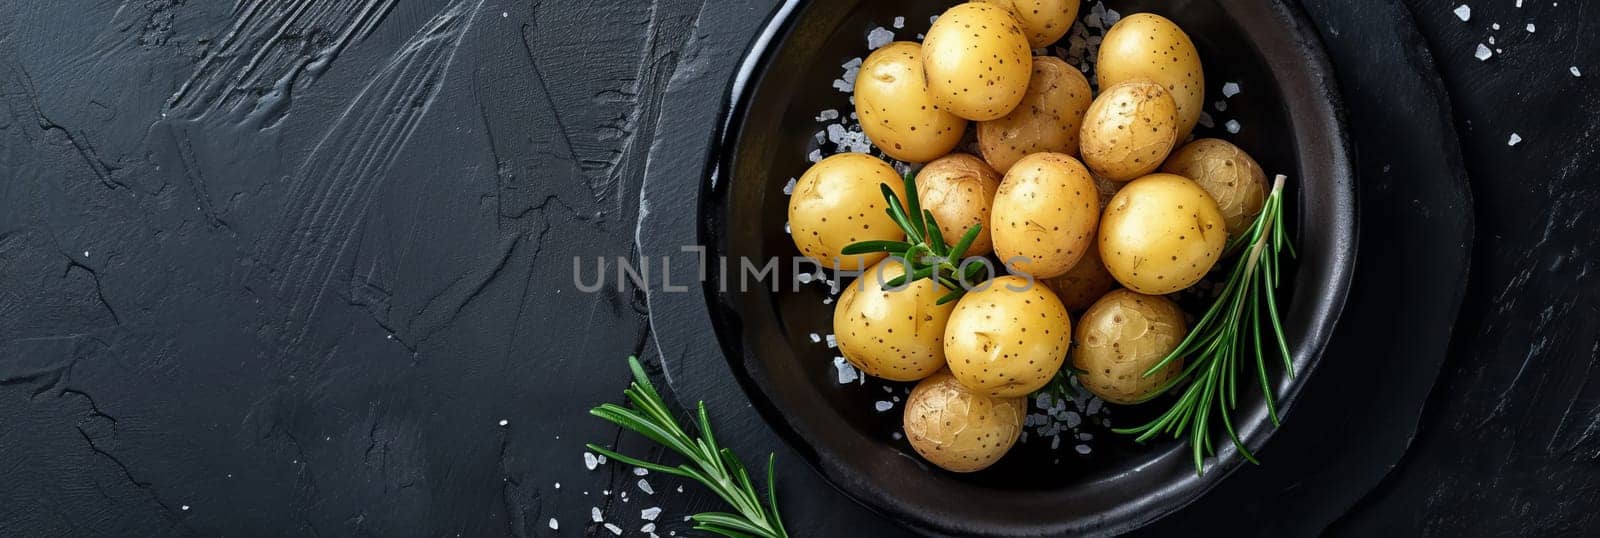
(1049, 118)
(1228, 174)
(895, 109)
(958, 429)
(1146, 46)
(977, 61)
(892, 333)
(959, 190)
(1007, 339)
(1129, 130)
(1044, 215)
(1045, 21)
(1120, 338)
(837, 202)
(1161, 233)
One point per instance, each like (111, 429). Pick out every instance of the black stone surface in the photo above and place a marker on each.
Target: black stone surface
(268, 270)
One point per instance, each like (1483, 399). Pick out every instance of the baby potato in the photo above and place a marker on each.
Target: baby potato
(1161, 234)
(1123, 335)
(895, 109)
(1044, 215)
(838, 202)
(957, 429)
(1045, 21)
(892, 333)
(1129, 130)
(1048, 119)
(1008, 338)
(959, 190)
(1085, 283)
(977, 61)
(1150, 47)
(1228, 174)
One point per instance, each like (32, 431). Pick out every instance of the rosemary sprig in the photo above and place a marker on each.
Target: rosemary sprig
(715, 467)
(1229, 335)
(925, 250)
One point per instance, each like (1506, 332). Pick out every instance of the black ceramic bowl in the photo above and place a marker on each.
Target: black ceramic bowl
(1289, 118)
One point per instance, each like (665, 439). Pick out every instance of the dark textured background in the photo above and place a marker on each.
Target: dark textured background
(281, 268)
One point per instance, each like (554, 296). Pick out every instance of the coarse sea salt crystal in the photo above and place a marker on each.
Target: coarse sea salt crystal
(1514, 140)
(645, 487)
(879, 37)
(815, 338)
(594, 513)
(590, 461)
(614, 529)
(1232, 126)
(640, 471)
(882, 406)
(828, 115)
(1082, 449)
(1230, 89)
(899, 22)
(1206, 121)
(788, 188)
(833, 341)
(554, 525)
(649, 514)
(1491, 40)
(648, 527)
(1464, 12)
(1495, 26)
(1530, 28)
(1575, 71)
(1483, 53)
(1221, 106)
(847, 371)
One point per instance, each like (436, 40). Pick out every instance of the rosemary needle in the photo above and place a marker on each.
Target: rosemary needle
(1229, 335)
(709, 464)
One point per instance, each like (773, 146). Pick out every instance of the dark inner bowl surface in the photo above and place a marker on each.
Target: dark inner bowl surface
(1290, 124)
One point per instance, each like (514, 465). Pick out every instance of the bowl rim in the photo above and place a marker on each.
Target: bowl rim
(1312, 76)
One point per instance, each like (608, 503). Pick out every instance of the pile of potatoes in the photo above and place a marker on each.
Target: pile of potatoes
(1094, 205)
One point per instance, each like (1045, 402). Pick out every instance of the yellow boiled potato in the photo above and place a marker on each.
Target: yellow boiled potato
(892, 333)
(1049, 118)
(837, 202)
(1045, 21)
(1044, 215)
(1161, 233)
(1121, 337)
(1085, 283)
(1145, 46)
(1008, 338)
(1228, 174)
(957, 428)
(959, 190)
(1129, 130)
(895, 109)
(977, 61)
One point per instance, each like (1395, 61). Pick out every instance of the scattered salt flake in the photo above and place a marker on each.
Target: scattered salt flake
(649, 514)
(833, 341)
(828, 115)
(1082, 449)
(1221, 106)
(1232, 126)
(601, 458)
(504, 422)
(1463, 12)
(847, 371)
(640, 471)
(882, 406)
(1483, 52)
(879, 37)
(788, 188)
(816, 338)
(1575, 71)
(1206, 121)
(1491, 40)
(1514, 140)
(590, 461)
(555, 525)
(594, 513)
(805, 278)
(899, 22)
(896, 436)
(558, 485)
(1111, 17)
(680, 489)
(1531, 28)
(1230, 89)
(648, 527)
(1495, 26)
(614, 529)
(644, 486)
(185, 507)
